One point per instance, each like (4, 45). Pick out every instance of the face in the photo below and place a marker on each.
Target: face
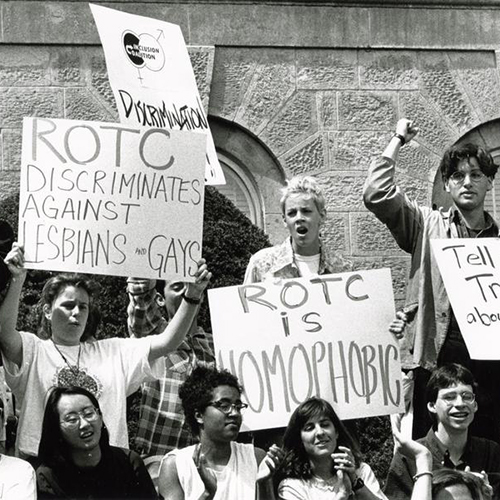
(215, 424)
(172, 297)
(319, 437)
(303, 221)
(452, 412)
(455, 492)
(469, 195)
(68, 315)
(87, 433)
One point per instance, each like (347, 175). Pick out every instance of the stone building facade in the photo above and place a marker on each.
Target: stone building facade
(292, 87)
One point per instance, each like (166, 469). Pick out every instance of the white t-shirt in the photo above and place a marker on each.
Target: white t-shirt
(308, 264)
(17, 479)
(111, 369)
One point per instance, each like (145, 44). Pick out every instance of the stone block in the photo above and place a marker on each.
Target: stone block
(370, 237)
(306, 158)
(68, 66)
(294, 122)
(83, 104)
(99, 78)
(416, 161)
(343, 190)
(202, 60)
(388, 70)
(9, 184)
(328, 110)
(11, 147)
(327, 69)
(275, 228)
(349, 150)
(367, 110)
(24, 66)
(16, 103)
(416, 189)
(335, 233)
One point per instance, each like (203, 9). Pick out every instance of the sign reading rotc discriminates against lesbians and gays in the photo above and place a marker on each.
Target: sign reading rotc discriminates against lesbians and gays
(470, 269)
(112, 199)
(152, 78)
(325, 336)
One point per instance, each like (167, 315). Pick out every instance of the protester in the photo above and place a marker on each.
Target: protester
(322, 460)
(433, 337)
(17, 479)
(162, 426)
(218, 467)
(451, 403)
(302, 253)
(77, 460)
(111, 369)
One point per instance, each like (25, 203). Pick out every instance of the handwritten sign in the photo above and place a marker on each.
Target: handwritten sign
(152, 78)
(470, 269)
(110, 199)
(326, 336)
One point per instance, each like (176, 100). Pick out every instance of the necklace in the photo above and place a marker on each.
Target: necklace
(74, 369)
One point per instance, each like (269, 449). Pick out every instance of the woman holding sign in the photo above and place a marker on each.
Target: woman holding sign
(111, 369)
(322, 461)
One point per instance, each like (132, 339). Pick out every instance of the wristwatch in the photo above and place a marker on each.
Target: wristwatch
(358, 484)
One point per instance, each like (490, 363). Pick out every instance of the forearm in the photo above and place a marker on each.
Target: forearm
(10, 340)
(422, 486)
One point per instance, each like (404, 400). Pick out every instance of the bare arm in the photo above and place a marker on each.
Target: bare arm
(10, 339)
(169, 486)
(179, 326)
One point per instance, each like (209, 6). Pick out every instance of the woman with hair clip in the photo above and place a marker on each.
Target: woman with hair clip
(322, 461)
(77, 460)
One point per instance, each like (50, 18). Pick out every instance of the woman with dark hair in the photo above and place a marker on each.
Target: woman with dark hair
(217, 468)
(322, 461)
(77, 461)
(111, 369)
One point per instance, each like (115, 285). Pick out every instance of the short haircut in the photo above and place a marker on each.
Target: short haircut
(296, 463)
(443, 478)
(56, 285)
(303, 185)
(53, 450)
(455, 154)
(446, 376)
(196, 391)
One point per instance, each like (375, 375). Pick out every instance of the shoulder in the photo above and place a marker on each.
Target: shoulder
(259, 454)
(16, 465)
(292, 484)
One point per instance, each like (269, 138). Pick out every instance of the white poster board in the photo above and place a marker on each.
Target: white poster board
(107, 198)
(470, 269)
(152, 78)
(326, 337)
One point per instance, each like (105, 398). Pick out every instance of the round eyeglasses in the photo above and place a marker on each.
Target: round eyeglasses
(72, 420)
(226, 407)
(450, 397)
(475, 176)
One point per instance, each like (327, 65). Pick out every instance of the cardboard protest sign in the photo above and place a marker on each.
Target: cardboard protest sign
(108, 198)
(470, 269)
(152, 78)
(326, 336)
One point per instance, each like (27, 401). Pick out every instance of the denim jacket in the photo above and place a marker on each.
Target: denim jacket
(413, 227)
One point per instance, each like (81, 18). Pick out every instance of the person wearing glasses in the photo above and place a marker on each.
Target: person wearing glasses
(217, 467)
(452, 405)
(77, 460)
(432, 335)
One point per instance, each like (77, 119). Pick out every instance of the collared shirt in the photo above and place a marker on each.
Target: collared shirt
(162, 426)
(479, 454)
(277, 263)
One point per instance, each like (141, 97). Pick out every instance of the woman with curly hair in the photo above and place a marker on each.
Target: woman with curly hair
(322, 461)
(217, 467)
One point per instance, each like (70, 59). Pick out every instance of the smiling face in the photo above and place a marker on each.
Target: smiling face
(469, 195)
(303, 221)
(319, 437)
(85, 435)
(452, 412)
(68, 315)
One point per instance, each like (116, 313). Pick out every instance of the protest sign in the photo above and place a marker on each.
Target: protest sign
(152, 78)
(470, 271)
(110, 199)
(325, 336)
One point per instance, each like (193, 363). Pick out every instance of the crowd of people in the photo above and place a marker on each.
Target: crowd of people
(71, 389)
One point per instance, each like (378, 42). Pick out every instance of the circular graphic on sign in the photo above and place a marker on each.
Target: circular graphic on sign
(143, 51)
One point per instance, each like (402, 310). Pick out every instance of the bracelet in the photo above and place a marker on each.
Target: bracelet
(190, 300)
(421, 474)
(401, 138)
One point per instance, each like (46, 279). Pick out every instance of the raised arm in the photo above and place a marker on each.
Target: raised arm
(10, 339)
(177, 328)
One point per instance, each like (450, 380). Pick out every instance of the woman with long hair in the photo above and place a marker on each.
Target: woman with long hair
(77, 460)
(322, 460)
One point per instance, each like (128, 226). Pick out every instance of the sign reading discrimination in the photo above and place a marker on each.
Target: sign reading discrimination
(111, 199)
(325, 336)
(152, 78)
(470, 269)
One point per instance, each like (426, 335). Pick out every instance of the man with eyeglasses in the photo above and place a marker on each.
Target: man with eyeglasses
(451, 405)
(432, 335)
